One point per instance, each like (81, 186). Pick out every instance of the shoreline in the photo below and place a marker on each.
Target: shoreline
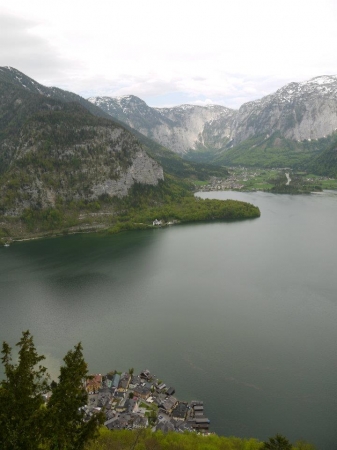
(96, 230)
(190, 210)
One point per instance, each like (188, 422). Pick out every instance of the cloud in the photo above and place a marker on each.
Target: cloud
(166, 52)
(227, 89)
(26, 51)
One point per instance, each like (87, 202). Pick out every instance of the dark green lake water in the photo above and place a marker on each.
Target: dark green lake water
(241, 315)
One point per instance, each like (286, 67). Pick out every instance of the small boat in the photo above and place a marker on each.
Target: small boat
(6, 245)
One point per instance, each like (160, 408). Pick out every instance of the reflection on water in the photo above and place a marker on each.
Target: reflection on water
(241, 315)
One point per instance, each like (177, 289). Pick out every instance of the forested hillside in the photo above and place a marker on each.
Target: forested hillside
(63, 168)
(326, 162)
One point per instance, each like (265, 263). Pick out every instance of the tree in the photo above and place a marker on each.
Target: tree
(278, 442)
(24, 421)
(21, 415)
(65, 415)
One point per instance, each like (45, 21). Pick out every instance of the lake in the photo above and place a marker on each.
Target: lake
(241, 315)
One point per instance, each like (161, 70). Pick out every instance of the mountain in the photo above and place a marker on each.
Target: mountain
(306, 110)
(63, 168)
(52, 152)
(287, 128)
(172, 164)
(20, 80)
(180, 128)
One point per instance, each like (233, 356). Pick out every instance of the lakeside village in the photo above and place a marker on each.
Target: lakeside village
(256, 179)
(141, 401)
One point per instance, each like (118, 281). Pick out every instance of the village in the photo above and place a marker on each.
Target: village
(142, 401)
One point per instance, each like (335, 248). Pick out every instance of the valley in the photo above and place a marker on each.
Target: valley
(70, 167)
(269, 180)
(293, 127)
(66, 167)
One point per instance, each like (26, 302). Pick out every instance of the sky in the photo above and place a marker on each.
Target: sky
(168, 53)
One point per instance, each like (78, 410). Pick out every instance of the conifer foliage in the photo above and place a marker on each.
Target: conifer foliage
(66, 427)
(278, 442)
(25, 423)
(21, 415)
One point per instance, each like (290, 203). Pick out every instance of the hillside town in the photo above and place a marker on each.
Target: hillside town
(142, 401)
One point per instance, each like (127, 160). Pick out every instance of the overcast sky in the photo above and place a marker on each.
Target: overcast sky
(170, 52)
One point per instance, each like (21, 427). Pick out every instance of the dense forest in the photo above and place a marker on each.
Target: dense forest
(274, 151)
(189, 209)
(326, 162)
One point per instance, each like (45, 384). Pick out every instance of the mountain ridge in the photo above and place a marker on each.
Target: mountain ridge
(300, 111)
(14, 76)
(177, 128)
(63, 168)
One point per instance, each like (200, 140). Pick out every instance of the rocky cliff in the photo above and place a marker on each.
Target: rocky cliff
(54, 152)
(180, 128)
(299, 111)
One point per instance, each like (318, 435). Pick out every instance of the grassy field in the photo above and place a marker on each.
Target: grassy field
(266, 179)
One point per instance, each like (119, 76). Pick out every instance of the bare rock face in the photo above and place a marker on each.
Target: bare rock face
(184, 126)
(181, 128)
(142, 170)
(306, 110)
(81, 162)
(300, 111)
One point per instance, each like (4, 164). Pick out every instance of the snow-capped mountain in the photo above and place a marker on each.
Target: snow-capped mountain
(306, 110)
(299, 111)
(179, 128)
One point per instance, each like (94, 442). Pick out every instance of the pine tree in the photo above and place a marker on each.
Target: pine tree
(21, 412)
(278, 442)
(66, 426)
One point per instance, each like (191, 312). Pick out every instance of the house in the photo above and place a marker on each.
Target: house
(182, 426)
(115, 380)
(165, 426)
(170, 391)
(148, 385)
(104, 397)
(124, 382)
(135, 381)
(198, 408)
(169, 404)
(121, 422)
(142, 392)
(108, 379)
(94, 383)
(201, 423)
(159, 399)
(111, 423)
(180, 411)
(131, 405)
(146, 375)
(140, 422)
(157, 222)
(119, 395)
(121, 408)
